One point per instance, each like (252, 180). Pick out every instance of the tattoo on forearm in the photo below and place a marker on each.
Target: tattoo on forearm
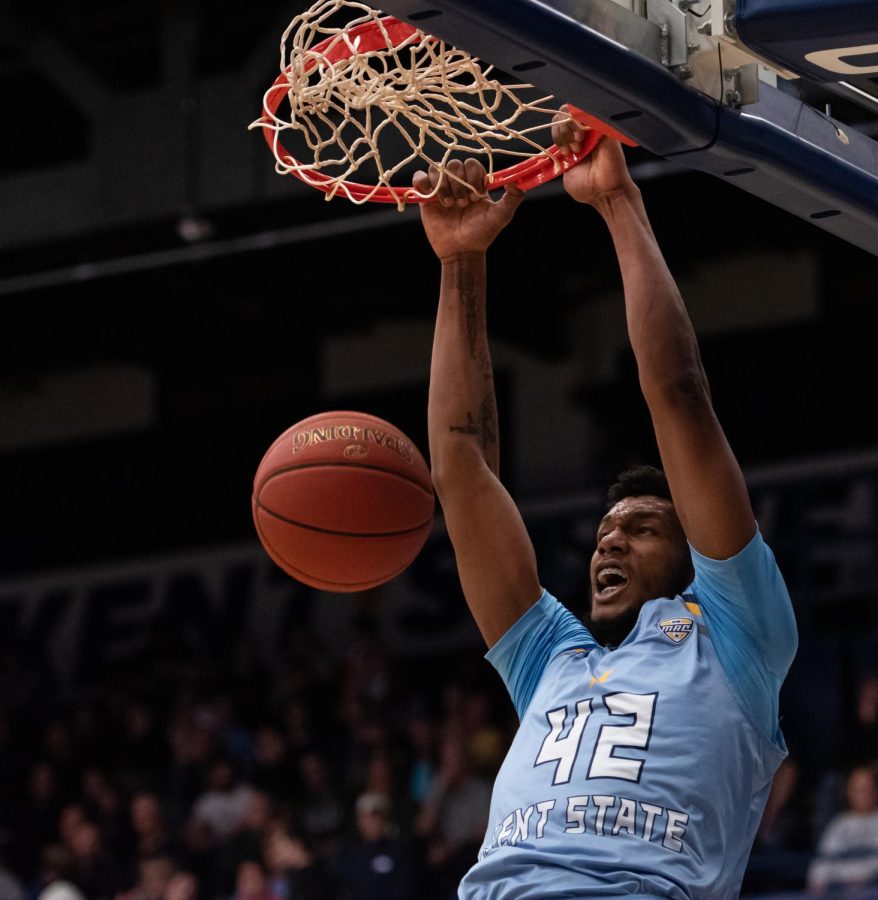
(472, 308)
(484, 425)
(488, 421)
(471, 426)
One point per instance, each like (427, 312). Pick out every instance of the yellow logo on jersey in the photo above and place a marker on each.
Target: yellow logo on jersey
(599, 679)
(676, 629)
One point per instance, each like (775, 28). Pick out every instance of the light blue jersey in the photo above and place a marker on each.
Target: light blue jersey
(641, 771)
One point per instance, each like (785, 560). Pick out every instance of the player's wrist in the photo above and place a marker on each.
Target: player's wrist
(621, 197)
(458, 257)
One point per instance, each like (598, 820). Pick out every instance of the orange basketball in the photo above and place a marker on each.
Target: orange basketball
(343, 501)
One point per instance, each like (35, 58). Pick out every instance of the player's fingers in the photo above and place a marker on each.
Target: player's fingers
(441, 184)
(474, 175)
(510, 200)
(566, 133)
(421, 183)
(457, 182)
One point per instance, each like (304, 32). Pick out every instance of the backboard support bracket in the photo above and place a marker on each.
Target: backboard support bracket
(607, 60)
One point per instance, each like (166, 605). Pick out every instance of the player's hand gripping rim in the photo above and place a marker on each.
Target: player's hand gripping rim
(464, 219)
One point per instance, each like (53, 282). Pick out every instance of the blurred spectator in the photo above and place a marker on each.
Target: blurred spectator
(861, 741)
(780, 821)
(61, 890)
(453, 819)
(95, 873)
(857, 745)
(55, 872)
(37, 820)
(273, 769)
(105, 806)
(487, 743)
(10, 888)
(219, 811)
(292, 871)
(233, 734)
(368, 674)
(251, 883)
(143, 748)
(422, 742)
(59, 750)
(300, 730)
(281, 853)
(245, 844)
(153, 879)
(783, 846)
(181, 886)
(321, 811)
(847, 854)
(150, 834)
(453, 707)
(376, 864)
(69, 819)
(370, 744)
(192, 745)
(379, 775)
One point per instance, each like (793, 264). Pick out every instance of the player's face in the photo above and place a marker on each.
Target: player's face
(641, 554)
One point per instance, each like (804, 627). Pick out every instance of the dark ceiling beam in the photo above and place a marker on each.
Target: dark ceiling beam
(179, 37)
(65, 70)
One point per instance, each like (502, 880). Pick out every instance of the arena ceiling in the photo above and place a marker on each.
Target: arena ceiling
(124, 130)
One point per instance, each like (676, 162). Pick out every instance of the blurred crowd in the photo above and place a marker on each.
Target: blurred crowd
(819, 832)
(182, 774)
(186, 775)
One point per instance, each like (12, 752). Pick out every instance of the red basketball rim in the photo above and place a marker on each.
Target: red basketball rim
(369, 36)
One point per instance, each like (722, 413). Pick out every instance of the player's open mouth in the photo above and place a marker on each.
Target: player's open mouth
(609, 581)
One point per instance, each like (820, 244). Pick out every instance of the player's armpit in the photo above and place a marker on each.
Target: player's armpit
(495, 557)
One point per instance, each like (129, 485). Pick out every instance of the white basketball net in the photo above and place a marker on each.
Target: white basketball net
(441, 100)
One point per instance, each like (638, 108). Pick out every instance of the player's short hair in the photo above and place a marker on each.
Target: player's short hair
(638, 481)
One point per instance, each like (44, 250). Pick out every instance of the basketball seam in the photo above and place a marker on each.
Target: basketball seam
(364, 534)
(349, 585)
(344, 465)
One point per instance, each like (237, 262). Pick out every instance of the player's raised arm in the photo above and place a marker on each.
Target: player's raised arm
(495, 558)
(706, 482)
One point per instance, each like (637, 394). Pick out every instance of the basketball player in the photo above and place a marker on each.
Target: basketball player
(647, 740)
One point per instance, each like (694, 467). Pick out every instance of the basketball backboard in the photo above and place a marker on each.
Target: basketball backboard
(677, 77)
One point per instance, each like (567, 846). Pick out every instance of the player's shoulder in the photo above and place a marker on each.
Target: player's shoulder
(753, 569)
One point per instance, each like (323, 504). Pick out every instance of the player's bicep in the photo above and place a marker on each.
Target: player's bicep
(707, 485)
(495, 557)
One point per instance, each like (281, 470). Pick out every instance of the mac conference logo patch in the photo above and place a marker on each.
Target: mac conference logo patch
(677, 629)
